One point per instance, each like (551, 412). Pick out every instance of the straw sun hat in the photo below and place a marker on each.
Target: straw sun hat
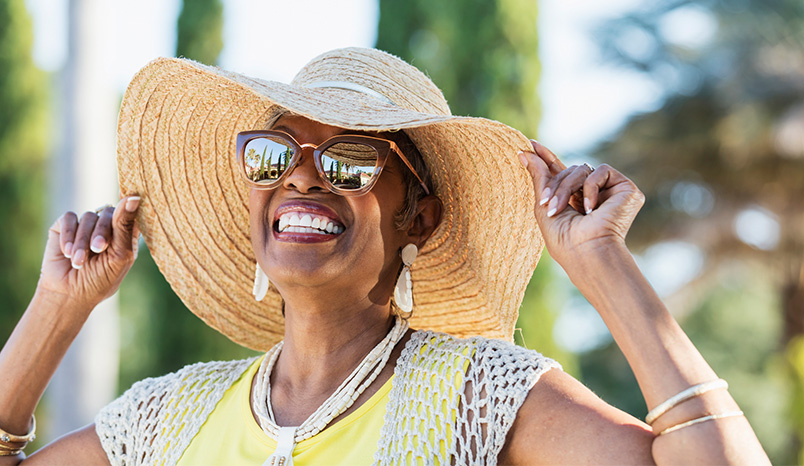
(176, 149)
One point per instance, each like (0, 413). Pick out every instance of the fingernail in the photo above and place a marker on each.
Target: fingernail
(545, 196)
(587, 206)
(68, 250)
(78, 258)
(523, 159)
(132, 203)
(98, 244)
(552, 207)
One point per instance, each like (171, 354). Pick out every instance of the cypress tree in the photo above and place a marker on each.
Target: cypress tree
(23, 146)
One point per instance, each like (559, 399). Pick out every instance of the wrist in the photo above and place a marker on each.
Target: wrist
(593, 258)
(52, 301)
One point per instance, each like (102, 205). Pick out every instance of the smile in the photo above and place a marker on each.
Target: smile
(299, 222)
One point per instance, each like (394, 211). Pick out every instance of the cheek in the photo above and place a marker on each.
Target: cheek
(258, 201)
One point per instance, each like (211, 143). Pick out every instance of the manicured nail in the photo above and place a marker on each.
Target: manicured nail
(98, 244)
(587, 206)
(78, 258)
(132, 203)
(545, 196)
(523, 159)
(552, 207)
(68, 250)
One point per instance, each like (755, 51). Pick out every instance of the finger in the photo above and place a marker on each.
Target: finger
(82, 234)
(571, 181)
(597, 181)
(124, 224)
(537, 169)
(605, 183)
(67, 225)
(102, 233)
(550, 159)
(552, 186)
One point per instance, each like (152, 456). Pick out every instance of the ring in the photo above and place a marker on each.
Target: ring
(102, 208)
(591, 168)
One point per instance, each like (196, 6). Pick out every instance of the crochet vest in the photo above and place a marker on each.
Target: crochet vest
(155, 420)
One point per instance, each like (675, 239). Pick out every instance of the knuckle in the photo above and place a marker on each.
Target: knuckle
(126, 223)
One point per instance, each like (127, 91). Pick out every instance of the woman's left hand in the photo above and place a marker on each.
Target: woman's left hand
(580, 209)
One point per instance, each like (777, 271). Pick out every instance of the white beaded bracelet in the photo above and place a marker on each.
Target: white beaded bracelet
(692, 392)
(711, 417)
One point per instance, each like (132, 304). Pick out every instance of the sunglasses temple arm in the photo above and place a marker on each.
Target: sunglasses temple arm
(412, 170)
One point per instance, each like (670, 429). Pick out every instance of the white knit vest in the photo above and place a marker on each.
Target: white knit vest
(155, 420)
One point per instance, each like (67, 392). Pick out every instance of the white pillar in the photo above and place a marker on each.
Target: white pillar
(84, 176)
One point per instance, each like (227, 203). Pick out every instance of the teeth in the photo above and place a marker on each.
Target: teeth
(307, 223)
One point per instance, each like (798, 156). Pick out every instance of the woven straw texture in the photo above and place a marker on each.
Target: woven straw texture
(155, 420)
(176, 148)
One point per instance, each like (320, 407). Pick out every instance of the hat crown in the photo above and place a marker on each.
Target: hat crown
(378, 71)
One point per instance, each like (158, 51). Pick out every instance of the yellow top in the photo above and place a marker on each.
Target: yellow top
(231, 436)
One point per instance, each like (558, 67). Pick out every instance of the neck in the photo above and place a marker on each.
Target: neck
(323, 344)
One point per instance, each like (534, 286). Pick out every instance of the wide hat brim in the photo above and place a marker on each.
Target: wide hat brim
(176, 149)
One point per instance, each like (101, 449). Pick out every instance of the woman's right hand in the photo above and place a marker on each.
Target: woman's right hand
(86, 258)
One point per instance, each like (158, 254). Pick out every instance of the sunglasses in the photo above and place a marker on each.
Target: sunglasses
(348, 165)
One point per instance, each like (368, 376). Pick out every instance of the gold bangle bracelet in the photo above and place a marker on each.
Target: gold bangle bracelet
(10, 452)
(6, 437)
(711, 417)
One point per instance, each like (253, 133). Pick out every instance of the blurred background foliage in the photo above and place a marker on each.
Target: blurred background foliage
(24, 106)
(721, 160)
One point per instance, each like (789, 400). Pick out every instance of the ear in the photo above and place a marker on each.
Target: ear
(426, 220)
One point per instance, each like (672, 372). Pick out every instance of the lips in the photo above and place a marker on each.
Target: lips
(305, 222)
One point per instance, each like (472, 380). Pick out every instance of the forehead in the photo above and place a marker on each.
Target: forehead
(309, 131)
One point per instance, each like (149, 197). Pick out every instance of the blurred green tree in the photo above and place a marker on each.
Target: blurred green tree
(160, 334)
(23, 146)
(199, 34)
(484, 57)
(722, 165)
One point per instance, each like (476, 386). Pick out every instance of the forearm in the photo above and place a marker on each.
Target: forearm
(32, 354)
(663, 359)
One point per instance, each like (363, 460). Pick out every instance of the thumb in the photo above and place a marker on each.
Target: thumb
(124, 225)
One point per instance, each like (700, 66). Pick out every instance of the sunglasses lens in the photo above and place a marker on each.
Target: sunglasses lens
(349, 165)
(266, 158)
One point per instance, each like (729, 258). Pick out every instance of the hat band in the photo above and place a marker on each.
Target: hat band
(350, 87)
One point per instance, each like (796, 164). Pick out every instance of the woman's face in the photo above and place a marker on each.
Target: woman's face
(359, 256)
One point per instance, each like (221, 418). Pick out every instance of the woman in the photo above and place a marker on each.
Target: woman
(346, 216)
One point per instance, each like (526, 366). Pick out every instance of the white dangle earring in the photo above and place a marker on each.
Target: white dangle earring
(403, 293)
(261, 284)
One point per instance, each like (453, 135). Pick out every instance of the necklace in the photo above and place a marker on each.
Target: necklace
(345, 396)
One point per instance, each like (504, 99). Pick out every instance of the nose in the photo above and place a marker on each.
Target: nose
(304, 176)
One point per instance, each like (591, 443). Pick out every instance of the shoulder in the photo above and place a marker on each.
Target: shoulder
(164, 410)
(561, 421)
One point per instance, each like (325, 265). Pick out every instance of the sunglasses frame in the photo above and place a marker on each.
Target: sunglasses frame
(382, 146)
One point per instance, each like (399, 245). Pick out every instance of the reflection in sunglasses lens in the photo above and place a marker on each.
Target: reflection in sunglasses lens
(266, 158)
(349, 165)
